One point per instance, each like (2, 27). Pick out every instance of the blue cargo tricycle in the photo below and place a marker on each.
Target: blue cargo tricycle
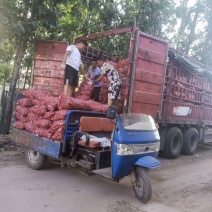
(109, 145)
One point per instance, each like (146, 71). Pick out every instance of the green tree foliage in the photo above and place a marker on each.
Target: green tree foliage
(187, 26)
(81, 19)
(5, 72)
(194, 35)
(22, 21)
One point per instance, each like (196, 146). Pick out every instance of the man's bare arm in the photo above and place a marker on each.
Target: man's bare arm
(88, 74)
(99, 78)
(65, 57)
(82, 69)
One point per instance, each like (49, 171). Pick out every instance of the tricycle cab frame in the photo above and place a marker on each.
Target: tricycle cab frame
(130, 146)
(143, 142)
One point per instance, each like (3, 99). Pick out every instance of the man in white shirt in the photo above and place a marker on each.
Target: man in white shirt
(114, 80)
(72, 64)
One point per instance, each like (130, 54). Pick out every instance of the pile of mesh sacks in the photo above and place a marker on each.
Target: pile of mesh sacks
(44, 115)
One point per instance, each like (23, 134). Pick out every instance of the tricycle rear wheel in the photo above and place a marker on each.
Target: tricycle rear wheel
(142, 186)
(34, 159)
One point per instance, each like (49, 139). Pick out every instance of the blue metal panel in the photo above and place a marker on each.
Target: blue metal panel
(72, 127)
(148, 162)
(122, 165)
(40, 144)
(135, 137)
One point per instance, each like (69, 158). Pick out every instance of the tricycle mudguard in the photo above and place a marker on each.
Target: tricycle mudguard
(147, 162)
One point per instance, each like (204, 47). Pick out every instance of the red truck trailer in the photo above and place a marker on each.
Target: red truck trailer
(161, 82)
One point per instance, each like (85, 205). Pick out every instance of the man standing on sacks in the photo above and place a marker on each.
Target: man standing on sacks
(72, 64)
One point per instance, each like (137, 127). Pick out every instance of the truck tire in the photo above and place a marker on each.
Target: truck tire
(173, 143)
(142, 186)
(190, 141)
(34, 159)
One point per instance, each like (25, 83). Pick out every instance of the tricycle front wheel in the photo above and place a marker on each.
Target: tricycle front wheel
(34, 159)
(142, 185)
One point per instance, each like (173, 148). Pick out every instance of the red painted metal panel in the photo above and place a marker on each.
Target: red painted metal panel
(152, 44)
(184, 77)
(184, 90)
(207, 114)
(150, 67)
(155, 57)
(147, 87)
(149, 75)
(145, 108)
(181, 111)
(147, 98)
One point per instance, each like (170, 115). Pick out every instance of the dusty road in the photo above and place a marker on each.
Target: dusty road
(181, 185)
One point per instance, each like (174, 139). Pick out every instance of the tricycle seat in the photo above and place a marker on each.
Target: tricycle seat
(97, 126)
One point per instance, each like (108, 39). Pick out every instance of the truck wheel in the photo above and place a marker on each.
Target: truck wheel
(190, 141)
(173, 143)
(142, 186)
(34, 159)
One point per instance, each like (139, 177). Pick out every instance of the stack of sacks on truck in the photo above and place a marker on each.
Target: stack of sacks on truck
(85, 90)
(122, 68)
(44, 115)
(103, 96)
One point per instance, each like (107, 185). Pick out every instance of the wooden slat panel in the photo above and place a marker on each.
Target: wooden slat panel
(55, 90)
(42, 64)
(49, 56)
(49, 73)
(48, 81)
(51, 47)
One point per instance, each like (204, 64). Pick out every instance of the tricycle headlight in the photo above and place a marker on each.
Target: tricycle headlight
(157, 146)
(123, 149)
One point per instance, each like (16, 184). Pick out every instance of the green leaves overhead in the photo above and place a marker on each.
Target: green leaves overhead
(5, 71)
(194, 33)
(186, 23)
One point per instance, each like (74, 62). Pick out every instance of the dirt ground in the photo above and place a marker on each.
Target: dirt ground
(183, 185)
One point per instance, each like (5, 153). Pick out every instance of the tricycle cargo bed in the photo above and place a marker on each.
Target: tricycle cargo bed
(34, 142)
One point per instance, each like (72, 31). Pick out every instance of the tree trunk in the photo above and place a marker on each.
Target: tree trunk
(17, 64)
(25, 79)
(19, 77)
